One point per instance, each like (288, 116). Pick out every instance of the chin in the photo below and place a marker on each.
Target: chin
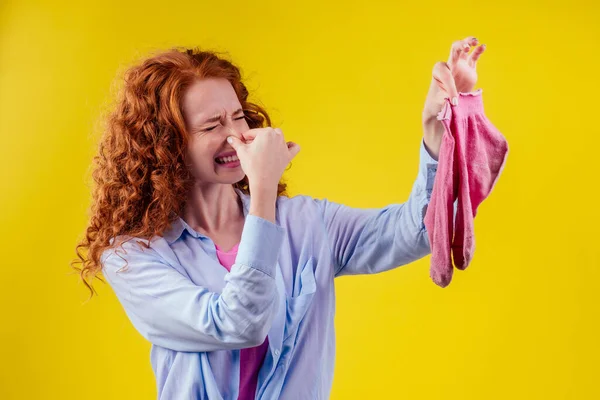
(233, 178)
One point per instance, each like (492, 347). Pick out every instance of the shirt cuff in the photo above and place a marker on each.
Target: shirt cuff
(260, 244)
(427, 168)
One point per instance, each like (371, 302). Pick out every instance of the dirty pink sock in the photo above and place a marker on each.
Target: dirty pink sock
(482, 151)
(472, 155)
(440, 210)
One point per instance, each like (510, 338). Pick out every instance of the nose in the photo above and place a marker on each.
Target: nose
(232, 132)
(233, 129)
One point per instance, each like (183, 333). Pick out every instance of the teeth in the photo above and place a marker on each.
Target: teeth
(224, 160)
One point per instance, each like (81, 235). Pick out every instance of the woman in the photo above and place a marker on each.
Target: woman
(231, 280)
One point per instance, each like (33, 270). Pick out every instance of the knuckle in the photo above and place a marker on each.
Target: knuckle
(441, 67)
(438, 65)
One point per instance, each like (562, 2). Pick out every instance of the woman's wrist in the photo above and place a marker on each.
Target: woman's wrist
(262, 202)
(432, 136)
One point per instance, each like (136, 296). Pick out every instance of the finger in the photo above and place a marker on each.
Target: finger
(444, 79)
(476, 54)
(456, 52)
(467, 43)
(294, 148)
(236, 143)
(460, 49)
(250, 134)
(279, 133)
(471, 40)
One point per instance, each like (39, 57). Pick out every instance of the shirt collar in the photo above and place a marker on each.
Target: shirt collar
(177, 227)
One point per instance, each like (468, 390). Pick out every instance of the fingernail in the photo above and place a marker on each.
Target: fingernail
(466, 46)
(229, 140)
(455, 100)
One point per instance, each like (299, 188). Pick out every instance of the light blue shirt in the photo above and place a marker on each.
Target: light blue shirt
(198, 316)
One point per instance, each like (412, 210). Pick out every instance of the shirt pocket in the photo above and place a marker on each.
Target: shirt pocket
(303, 292)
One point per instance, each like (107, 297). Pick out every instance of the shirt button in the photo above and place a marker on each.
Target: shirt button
(276, 352)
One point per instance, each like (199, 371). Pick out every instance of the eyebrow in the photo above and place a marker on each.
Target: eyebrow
(218, 117)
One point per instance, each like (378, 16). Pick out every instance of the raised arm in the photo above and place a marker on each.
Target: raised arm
(372, 240)
(169, 310)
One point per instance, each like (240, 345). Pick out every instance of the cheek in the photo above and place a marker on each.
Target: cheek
(201, 154)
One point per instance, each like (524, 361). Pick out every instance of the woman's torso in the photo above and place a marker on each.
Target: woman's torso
(301, 341)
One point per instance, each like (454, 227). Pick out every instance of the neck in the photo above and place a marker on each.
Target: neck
(213, 208)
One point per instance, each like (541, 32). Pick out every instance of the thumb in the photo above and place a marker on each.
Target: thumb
(294, 148)
(236, 143)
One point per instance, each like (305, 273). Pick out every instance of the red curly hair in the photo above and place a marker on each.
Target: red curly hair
(140, 174)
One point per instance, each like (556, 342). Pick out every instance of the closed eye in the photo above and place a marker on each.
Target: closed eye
(213, 127)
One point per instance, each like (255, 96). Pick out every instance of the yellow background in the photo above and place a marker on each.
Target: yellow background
(346, 80)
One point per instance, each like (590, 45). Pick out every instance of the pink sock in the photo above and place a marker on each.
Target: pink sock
(482, 151)
(440, 210)
(472, 156)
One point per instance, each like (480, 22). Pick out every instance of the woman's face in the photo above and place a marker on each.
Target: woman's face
(212, 112)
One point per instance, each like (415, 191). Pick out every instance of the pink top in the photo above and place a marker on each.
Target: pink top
(251, 358)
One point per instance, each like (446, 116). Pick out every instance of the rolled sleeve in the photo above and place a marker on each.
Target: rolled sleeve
(427, 168)
(260, 244)
(173, 312)
(427, 172)
(425, 180)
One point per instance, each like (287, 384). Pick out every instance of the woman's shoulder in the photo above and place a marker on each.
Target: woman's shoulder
(126, 245)
(299, 204)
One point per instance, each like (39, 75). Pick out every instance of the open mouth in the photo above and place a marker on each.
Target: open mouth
(229, 160)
